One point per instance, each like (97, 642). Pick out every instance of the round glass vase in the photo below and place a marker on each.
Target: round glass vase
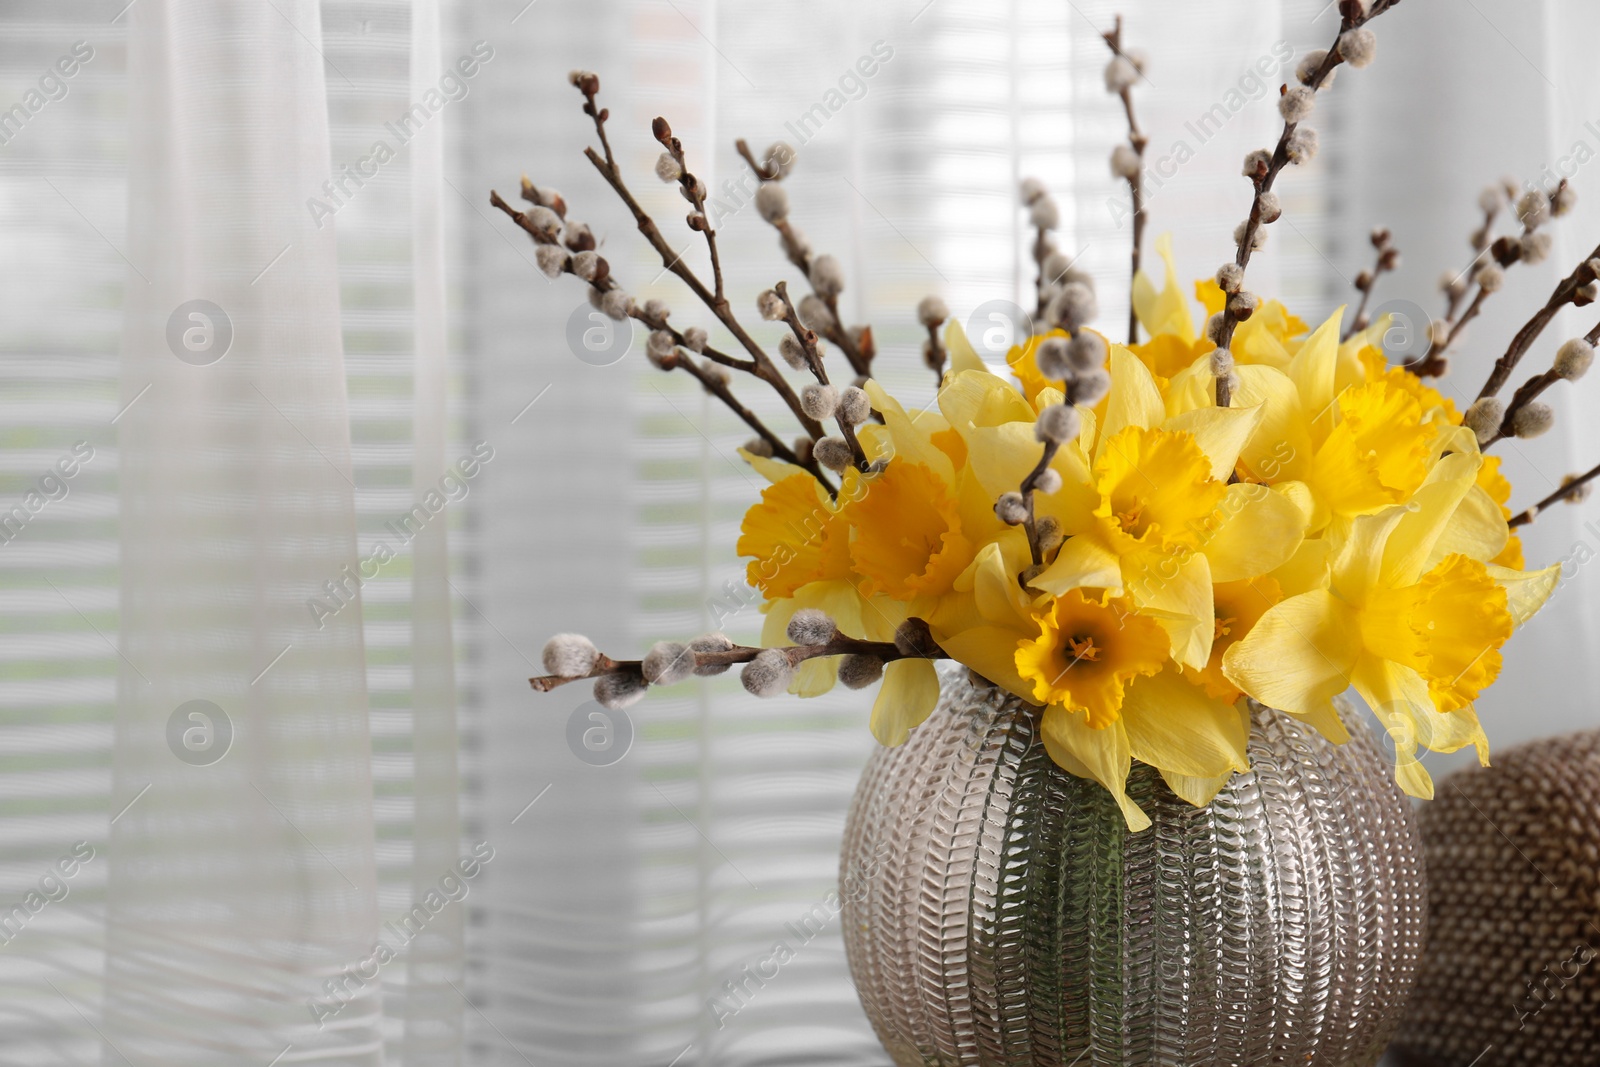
(998, 911)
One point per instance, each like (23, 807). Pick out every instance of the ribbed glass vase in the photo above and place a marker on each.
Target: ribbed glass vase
(997, 910)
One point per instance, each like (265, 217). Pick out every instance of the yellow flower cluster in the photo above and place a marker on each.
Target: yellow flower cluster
(1335, 526)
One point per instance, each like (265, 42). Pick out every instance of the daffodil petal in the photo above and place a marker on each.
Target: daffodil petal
(1526, 591)
(1100, 755)
(1259, 530)
(1134, 400)
(911, 441)
(773, 470)
(1172, 724)
(1084, 561)
(991, 651)
(1477, 529)
(1197, 791)
(1166, 311)
(1280, 449)
(1409, 547)
(1307, 569)
(1451, 731)
(906, 697)
(1398, 696)
(1220, 432)
(1314, 368)
(978, 398)
(1177, 594)
(1299, 656)
(962, 355)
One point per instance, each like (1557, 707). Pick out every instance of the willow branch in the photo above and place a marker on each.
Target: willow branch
(840, 645)
(1574, 486)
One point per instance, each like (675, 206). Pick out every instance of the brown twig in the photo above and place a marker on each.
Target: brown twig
(1570, 488)
(1028, 485)
(1388, 258)
(671, 261)
(840, 645)
(1352, 15)
(1139, 141)
(1565, 293)
(808, 343)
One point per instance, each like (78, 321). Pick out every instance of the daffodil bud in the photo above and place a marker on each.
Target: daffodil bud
(619, 689)
(667, 663)
(811, 626)
(570, 655)
(858, 670)
(768, 675)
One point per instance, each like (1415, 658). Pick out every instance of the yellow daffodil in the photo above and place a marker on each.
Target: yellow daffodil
(1165, 524)
(1419, 638)
(1122, 700)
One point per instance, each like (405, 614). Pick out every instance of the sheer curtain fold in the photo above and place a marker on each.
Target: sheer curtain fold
(241, 870)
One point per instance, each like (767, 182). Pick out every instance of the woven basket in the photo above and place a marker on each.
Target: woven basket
(1512, 971)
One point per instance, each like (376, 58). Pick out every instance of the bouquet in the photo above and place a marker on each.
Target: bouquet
(1137, 536)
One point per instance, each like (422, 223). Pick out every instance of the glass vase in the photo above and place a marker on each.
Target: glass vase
(998, 911)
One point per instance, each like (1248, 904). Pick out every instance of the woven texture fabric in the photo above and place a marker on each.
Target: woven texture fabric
(997, 911)
(1513, 854)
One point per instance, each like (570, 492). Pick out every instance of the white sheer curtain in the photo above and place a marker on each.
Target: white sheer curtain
(398, 398)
